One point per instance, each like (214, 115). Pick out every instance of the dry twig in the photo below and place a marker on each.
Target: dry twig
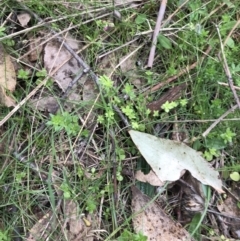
(156, 32)
(227, 70)
(205, 133)
(183, 71)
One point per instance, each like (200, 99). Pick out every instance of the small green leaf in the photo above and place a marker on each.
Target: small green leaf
(164, 42)
(128, 111)
(238, 205)
(23, 74)
(100, 119)
(230, 43)
(128, 89)
(135, 125)
(229, 4)
(42, 73)
(106, 82)
(215, 143)
(235, 176)
(167, 106)
(141, 18)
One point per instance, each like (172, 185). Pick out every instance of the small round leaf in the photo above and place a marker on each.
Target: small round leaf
(235, 176)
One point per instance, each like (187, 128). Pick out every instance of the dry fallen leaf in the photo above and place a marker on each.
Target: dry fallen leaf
(78, 228)
(153, 222)
(35, 48)
(23, 19)
(41, 229)
(51, 104)
(151, 178)
(128, 62)
(169, 159)
(54, 57)
(107, 64)
(45, 103)
(7, 78)
(89, 90)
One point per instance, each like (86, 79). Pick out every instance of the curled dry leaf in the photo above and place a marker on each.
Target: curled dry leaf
(153, 222)
(23, 19)
(169, 159)
(7, 78)
(151, 178)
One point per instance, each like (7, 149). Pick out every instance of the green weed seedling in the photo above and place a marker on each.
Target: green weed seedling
(23, 74)
(65, 121)
(4, 236)
(127, 235)
(167, 106)
(67, 193)
(91, 205)
(210, 154)
(2, 32)
(7, 42)
(227, 136)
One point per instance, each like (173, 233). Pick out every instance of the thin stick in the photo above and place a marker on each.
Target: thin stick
(174, 13)
(8, 17)
(225, 84)
(44, 23)
(32, 93)
(19, 105)
(125, 59)
(181, 72)
(232, 30)
(205, 133)
(120, 47)
(156, 32)
(227, 70)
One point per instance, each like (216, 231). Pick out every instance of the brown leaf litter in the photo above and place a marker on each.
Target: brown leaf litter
(7, 78)
(153, 222)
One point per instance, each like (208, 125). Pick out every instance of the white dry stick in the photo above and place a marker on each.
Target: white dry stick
(156, 32)
(227, 70)
(225, 84)
(205, 133)
(122, 61)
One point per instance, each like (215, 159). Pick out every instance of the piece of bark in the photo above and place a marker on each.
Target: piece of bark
(171, 95)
